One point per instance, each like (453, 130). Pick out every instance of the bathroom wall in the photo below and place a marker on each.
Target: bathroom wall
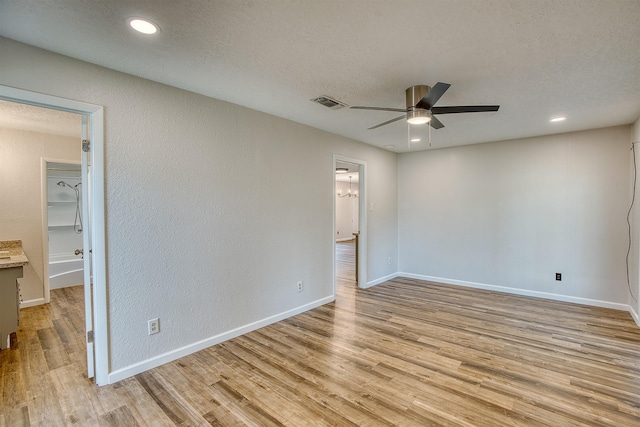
(21, 194)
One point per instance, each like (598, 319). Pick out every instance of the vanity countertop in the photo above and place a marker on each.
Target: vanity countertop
(17, 258)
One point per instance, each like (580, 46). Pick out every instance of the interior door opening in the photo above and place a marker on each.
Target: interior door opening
(88, 222)
(349, 224)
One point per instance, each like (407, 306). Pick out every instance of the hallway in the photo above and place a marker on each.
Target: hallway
(346, 261)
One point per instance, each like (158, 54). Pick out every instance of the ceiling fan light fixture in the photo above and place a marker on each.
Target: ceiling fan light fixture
(419, 120)
(418, 116)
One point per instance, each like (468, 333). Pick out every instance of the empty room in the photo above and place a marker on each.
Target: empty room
(320, 213)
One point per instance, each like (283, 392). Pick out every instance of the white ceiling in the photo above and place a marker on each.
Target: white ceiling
(536, 59)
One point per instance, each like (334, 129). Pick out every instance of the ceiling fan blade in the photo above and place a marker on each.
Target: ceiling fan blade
(429, 100)
(464, 109)
(388, 121)
(399, 110)
(435, 123)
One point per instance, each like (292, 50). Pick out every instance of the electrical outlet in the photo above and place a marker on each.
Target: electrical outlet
(558, 276)
(154, 326)
(389, 260)
(300, 286)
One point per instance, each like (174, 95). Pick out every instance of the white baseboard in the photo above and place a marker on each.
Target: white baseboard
(634, 314)
(32, 302)
(380, 280)
(170, 356)
(516, 291)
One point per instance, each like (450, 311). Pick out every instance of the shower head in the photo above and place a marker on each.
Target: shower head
(66, 184)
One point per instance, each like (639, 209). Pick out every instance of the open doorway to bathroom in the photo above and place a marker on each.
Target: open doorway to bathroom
(87, 144)
(347, 223)
(45, 216)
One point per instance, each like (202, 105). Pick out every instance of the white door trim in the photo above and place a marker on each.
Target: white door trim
(96, 114)
(362, 219)
(86, 245)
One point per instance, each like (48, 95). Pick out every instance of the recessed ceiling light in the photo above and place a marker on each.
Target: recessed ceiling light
(143, 26)
(558, 119)
(415, 139)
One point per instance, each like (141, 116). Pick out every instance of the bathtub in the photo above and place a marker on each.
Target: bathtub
(65, 270)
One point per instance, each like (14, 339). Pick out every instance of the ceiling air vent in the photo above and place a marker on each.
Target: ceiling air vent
(329, 102)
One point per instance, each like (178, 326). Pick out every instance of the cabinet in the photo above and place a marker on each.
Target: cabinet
(9, 303)
(12, 260)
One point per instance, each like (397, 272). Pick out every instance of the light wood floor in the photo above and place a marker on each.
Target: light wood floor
(405, 352)
(346, 262)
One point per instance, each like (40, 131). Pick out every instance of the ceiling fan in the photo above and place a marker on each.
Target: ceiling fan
(420, 106)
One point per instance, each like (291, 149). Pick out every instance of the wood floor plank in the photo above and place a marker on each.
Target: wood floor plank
(120, 417)
(78, 400)
(167, 402)
(17, 417)
(141, 404)
(283, 372)
(45, 405)
(291, 387)
(53, 348)
(404, 353)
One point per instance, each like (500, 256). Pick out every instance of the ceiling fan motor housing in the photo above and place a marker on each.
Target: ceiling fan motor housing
(415, 94)
(417, 115)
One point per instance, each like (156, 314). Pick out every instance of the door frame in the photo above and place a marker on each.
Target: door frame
(98, 238)
(362, 219)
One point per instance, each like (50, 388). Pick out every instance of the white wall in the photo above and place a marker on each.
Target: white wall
(21, 193)
(346, 212)
(634, 255)
(205, 229)
(513, 213)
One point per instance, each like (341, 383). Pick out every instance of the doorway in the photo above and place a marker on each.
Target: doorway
(349, 223)
(62, 224)
(91, 149)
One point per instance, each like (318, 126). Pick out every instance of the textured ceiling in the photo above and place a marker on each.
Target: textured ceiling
(42, 120)
(537, 59)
